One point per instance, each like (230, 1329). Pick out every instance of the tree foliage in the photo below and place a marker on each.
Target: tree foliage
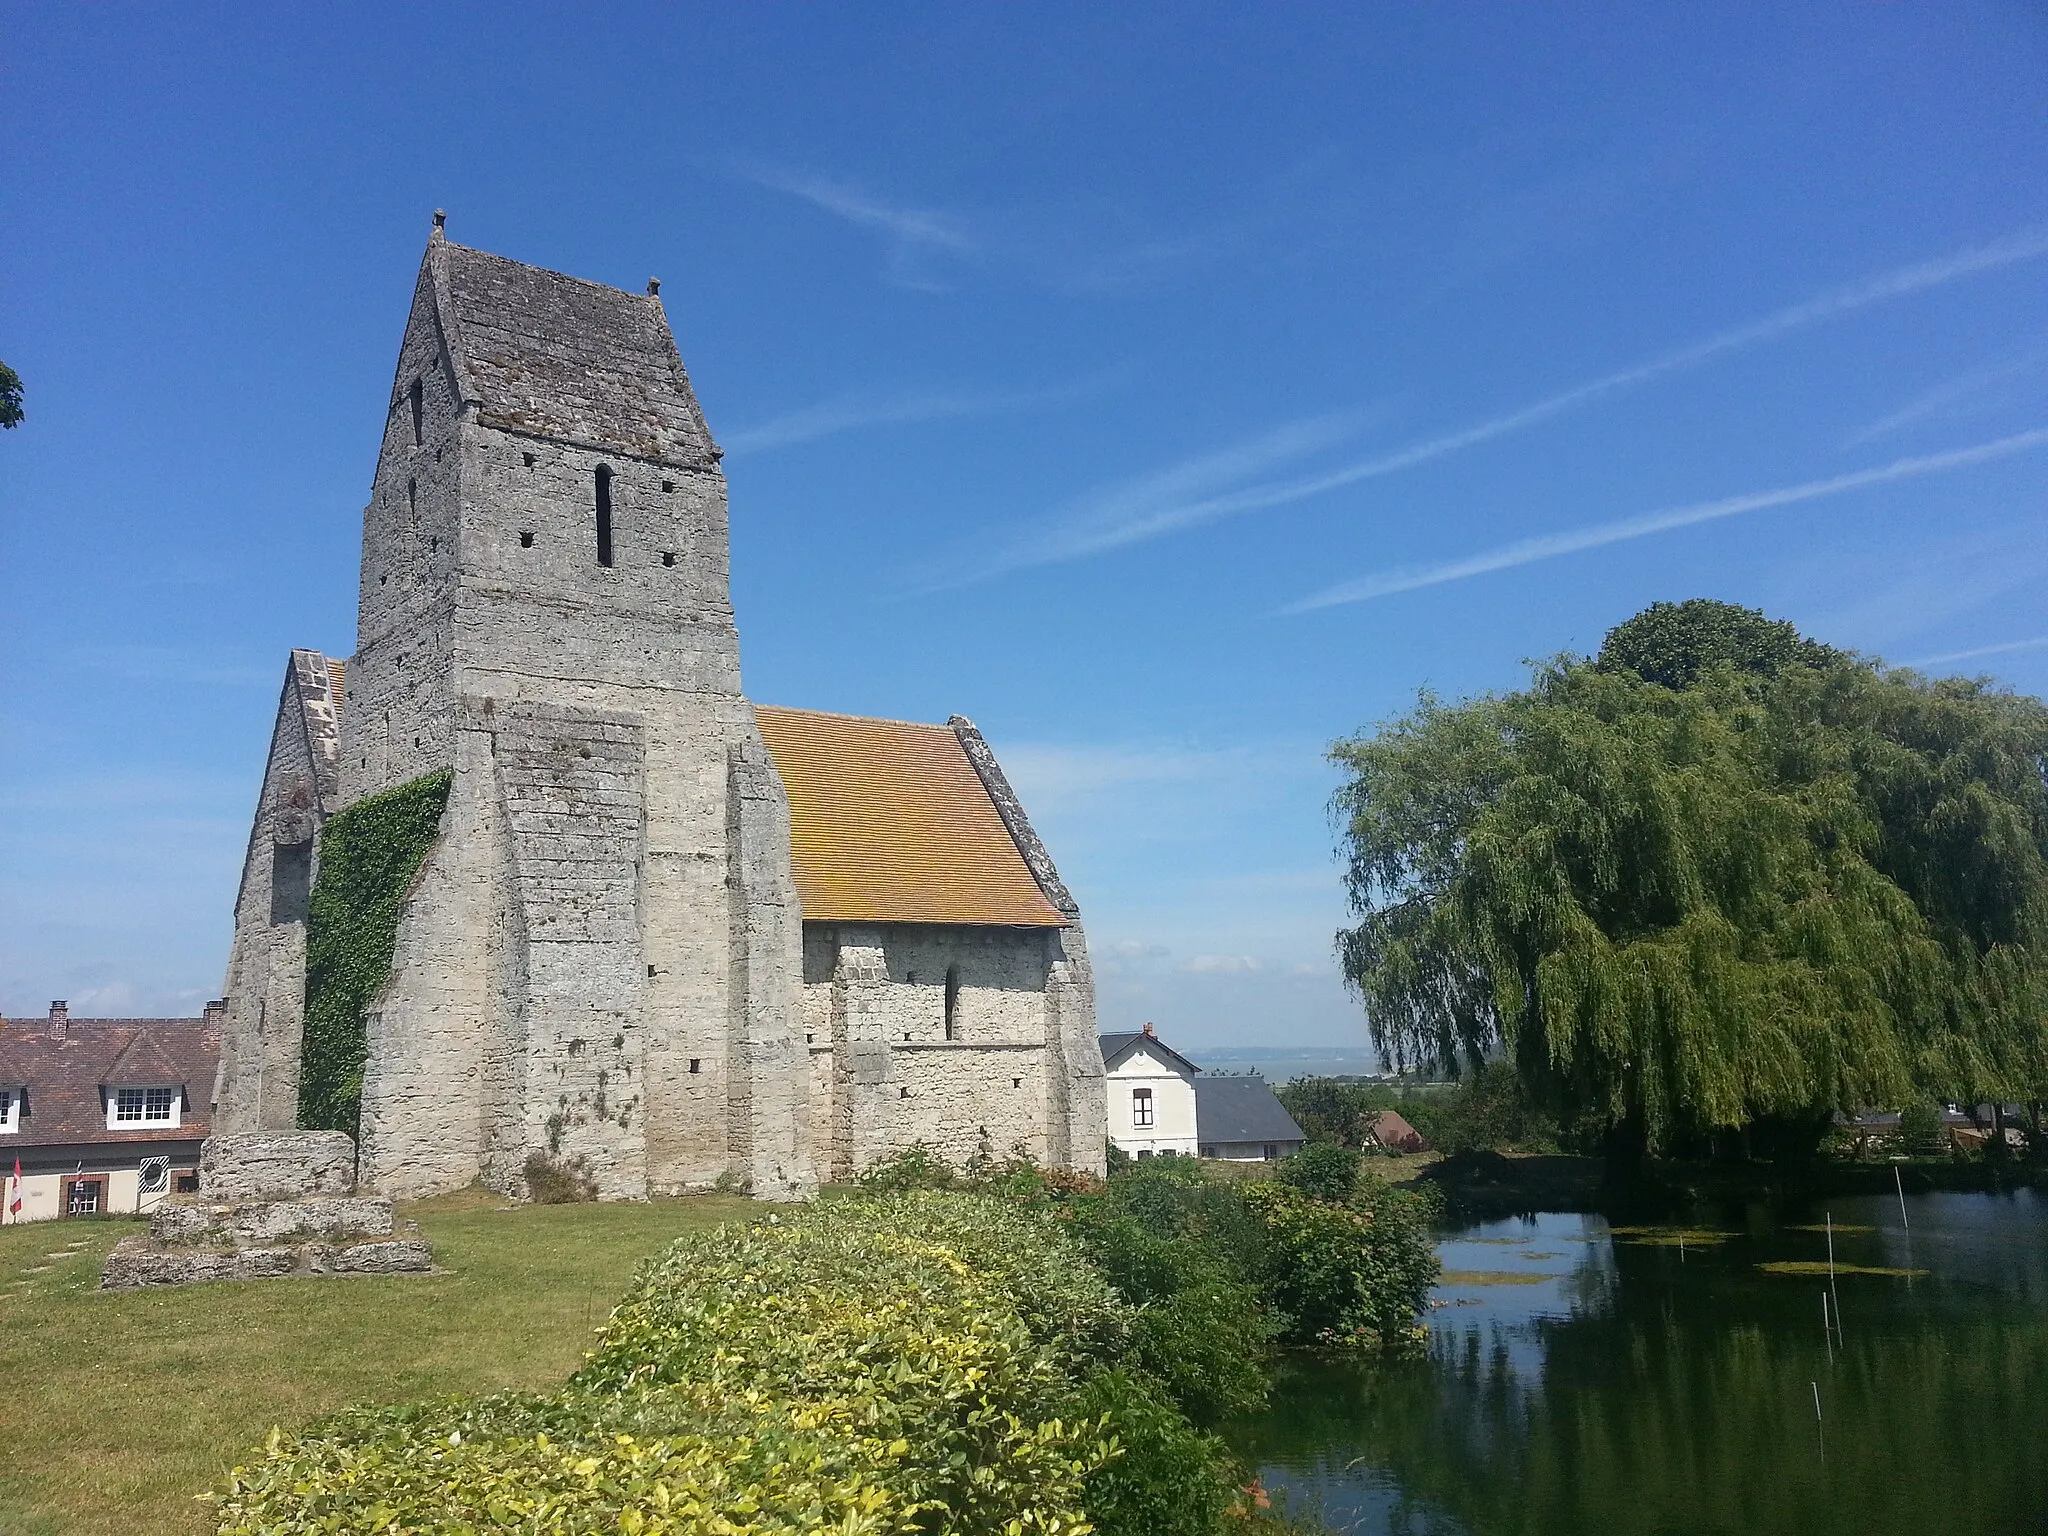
(11, 414)
(1797, 882)
(1675, 643)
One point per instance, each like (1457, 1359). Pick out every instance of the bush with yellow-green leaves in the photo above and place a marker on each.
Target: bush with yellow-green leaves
(922, 1362)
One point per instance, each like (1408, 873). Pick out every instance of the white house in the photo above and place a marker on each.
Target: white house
(1151, 1094)
(1159, 1101)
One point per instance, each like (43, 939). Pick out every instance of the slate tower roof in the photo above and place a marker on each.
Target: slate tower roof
(557, 356)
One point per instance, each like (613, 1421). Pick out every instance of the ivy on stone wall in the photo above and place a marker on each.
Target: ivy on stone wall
(369, 854)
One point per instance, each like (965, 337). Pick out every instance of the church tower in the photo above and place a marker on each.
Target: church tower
(663, 938)
(545, 608)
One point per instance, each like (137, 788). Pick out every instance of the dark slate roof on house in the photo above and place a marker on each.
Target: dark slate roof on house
(1115, 1047)
(64, 1077)
(1241, 1109)
(560, 357)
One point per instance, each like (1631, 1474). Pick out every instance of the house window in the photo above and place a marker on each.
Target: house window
(1141, 1106)
(1272, 1151)
(185, 1183)
(10, 1111)
(1208, 1151)
(142, 1108)
(84, 1197)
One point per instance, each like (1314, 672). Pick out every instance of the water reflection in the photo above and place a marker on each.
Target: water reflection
(1583, 1378)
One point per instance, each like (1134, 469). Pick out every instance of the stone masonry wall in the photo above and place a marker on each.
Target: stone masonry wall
(571, 783)
(399, 719)
(887, 1071)
(258, 1086)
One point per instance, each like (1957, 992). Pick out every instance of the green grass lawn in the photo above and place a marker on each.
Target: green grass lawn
(116, 1409)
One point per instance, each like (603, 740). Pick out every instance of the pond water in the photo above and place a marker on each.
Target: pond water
(1583, 1377)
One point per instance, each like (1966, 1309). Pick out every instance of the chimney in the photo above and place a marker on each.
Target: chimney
(216, 1013)
(1150, 1030)
(60, 1017)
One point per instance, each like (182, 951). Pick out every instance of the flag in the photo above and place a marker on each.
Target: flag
(14, 1194)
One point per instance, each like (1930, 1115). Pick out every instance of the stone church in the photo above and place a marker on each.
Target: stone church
(665, 934)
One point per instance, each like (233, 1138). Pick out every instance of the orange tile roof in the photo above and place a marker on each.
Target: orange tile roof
(889, 823)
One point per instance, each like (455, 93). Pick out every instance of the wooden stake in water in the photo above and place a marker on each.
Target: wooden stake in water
(1837, 1295)
(1899, 1180)
(1820, 1427)
(1826, 1330)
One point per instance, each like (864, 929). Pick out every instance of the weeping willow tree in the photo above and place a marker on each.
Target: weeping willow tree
(1779, 882)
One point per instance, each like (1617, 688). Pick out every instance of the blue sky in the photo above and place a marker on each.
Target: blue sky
(1171, 389)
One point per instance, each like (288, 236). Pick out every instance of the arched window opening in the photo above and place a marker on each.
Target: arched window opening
(604, 514)
(419, 413)
(952, 1002)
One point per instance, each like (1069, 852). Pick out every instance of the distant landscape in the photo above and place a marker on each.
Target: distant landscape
(1283, 1064)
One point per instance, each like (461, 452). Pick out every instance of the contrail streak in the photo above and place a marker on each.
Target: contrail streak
(1549, 546)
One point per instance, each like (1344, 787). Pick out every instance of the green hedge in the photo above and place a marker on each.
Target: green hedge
(920, 1362)
(369, 854)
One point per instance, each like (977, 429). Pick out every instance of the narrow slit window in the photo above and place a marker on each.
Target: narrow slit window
(419, 413)
(604, 514)
(952, 1002)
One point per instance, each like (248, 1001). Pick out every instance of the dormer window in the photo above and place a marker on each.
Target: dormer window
(10, 1111)
(143, 1109)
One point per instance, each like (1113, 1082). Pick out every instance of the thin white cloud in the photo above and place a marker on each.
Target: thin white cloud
(1149, 505)
(857, 409)
(2006, 648)
(1201, 490)
(915, 234)
(1551, 545)
(1949, 399)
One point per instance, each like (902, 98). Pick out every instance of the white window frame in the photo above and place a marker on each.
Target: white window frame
(145, 1107)
(1141, 1109)
(10, 1110)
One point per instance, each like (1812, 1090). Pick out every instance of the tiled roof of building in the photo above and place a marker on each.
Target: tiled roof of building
(560, 357)
(891, 823)
(65, 1073)
(1241, 1109)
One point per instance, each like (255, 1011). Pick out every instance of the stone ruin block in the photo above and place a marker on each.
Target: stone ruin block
(277, 1165)
(270, 1204)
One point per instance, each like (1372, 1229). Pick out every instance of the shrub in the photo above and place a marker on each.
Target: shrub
(1171, 1480)
(554, 1181)
(1323, 1171)
(909, 1362)
(1921, 1133)
(915, 1167)
(1351, 1276)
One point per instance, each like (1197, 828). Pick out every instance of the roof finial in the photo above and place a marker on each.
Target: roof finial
(654, 287)
(440, 224)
